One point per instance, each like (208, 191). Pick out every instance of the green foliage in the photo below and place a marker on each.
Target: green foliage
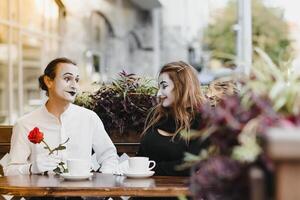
(269, 32)
(219, 35)
(84, 99)
(277, 83)
(130, 83)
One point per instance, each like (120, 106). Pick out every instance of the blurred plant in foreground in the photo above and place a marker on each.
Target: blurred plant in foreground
(270, 97)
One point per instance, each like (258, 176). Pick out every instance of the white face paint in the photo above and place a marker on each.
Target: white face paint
(165, 92)
(65, 84)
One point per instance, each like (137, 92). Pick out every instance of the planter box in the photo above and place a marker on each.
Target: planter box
(126, 143)
(283, 146)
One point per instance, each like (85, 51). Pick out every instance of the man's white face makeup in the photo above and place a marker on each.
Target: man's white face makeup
(165, 92)
(66, 82)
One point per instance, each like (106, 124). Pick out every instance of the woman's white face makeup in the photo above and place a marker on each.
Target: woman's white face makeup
(165, 92)
(65, 84)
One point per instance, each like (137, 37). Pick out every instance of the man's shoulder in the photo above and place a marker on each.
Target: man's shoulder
(83, 111)
(29, 120)
(86, 116)
(30, 116)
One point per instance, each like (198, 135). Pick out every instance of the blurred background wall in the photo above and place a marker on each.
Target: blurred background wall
(107, 36)
(102, 36)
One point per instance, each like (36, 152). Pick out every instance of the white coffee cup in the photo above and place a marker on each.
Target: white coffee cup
(78, 166)
(140, 164)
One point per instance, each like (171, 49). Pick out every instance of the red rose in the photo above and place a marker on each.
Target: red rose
(35, 136)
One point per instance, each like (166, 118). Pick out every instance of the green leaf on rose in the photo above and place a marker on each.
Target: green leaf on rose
(61, 147)
(57, 170)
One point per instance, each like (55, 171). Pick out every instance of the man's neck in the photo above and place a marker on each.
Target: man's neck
(57, 107)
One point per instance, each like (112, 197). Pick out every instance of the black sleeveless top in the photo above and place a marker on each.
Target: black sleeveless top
(168, 153)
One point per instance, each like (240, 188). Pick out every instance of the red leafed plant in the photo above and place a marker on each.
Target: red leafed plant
(122, 105)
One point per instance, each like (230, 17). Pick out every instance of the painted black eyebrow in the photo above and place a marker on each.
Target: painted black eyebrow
(162, 82)
(68, 73)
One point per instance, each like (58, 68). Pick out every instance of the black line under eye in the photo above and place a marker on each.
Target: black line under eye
(67, 78)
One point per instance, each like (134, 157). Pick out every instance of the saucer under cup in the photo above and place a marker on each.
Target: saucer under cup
(139, 175)
(69, 176)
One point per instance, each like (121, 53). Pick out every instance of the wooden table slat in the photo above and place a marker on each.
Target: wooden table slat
(101, 185)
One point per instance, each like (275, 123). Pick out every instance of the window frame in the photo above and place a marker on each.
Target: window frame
(15, 106)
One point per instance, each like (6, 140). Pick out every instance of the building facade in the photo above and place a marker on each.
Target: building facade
(102, 36)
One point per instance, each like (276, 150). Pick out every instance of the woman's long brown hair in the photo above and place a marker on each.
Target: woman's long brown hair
(188, 97)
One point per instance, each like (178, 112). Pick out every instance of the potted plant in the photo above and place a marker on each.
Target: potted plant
(122, 105)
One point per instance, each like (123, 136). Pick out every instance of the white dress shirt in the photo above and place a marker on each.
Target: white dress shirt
(83, 127)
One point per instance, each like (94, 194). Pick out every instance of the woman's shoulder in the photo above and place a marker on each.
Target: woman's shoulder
(150, 131)
(195, 123)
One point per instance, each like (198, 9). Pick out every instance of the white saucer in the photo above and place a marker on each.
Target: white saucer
(69, 176)
(139, 175)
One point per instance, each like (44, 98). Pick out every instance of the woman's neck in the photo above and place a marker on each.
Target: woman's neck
(57, 107)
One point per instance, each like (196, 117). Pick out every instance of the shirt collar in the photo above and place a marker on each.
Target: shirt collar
(45, 110)
(66, 112)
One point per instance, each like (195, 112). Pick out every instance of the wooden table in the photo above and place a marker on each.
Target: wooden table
(101, 185)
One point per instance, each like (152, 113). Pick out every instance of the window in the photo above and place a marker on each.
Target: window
(3, 9)
(27, 43)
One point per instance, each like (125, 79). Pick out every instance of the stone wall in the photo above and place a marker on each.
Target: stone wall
(121, 35)
(117, 31)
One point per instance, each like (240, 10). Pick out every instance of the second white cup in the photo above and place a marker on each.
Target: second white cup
(140, 164)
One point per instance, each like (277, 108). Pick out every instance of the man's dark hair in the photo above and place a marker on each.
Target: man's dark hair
(50, 71)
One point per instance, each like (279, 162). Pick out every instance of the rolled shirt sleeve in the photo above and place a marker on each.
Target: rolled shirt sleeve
(106, 153)
(19, 152)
